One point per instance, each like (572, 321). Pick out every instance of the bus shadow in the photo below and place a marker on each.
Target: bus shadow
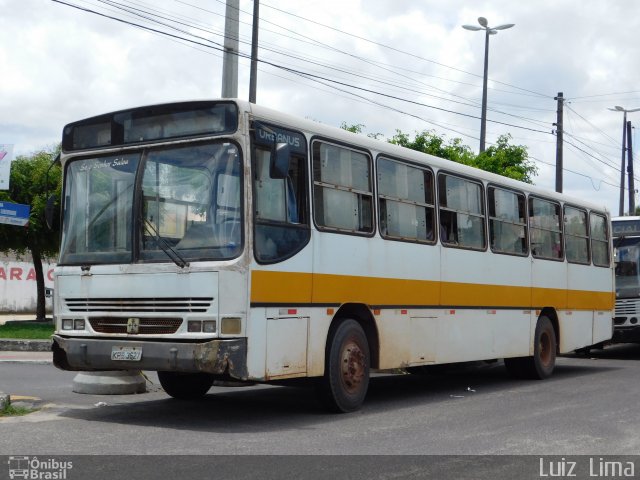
(620, 351)
(275, 408)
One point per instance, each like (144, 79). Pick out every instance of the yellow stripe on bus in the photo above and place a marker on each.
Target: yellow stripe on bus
(307, 288)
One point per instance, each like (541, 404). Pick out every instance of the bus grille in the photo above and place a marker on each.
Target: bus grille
(178, 305)
(627, 307)
(148, 326)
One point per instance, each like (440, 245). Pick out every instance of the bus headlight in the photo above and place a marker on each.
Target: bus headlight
(67, 324)
(209, 326)
(78, 324)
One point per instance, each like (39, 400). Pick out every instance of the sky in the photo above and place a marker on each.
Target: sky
(384, 64)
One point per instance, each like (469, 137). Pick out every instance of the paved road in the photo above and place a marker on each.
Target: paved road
(588, 407)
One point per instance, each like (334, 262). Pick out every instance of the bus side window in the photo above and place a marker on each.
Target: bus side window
(405, 198)
(342, 189)
(545, 229)
(507, 221)
(280, 209)
(576, 235)
(461, 207)
(599, 240)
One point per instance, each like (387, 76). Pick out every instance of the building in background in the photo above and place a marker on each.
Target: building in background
(18, 292)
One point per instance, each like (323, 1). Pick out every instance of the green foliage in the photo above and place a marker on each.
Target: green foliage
(502, 158)
(28, 186)
(357, 128)
(508, 160)
(429, 142)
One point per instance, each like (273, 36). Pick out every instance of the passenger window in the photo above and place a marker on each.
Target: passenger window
(599, 240)
(342, 189)
(280, 207)
(576, 235)
(405, 196)
(461, 208)
(507, 222)
(545, 229)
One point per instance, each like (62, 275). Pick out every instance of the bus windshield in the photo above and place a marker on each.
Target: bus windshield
(187, 201)
(627, 254)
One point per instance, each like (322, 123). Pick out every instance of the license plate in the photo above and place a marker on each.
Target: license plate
(127, 354)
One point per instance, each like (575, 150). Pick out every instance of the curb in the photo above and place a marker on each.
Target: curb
(21, 345)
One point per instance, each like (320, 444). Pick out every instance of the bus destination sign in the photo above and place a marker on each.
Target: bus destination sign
(626, 228)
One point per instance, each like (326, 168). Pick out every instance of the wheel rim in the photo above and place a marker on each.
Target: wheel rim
(353, 366)
(545, 349)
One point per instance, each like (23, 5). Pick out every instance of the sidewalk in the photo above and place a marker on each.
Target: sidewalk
(26, 357)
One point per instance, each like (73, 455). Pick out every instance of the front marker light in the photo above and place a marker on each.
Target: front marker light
(67, 324)
(194, 326)
(231, 326)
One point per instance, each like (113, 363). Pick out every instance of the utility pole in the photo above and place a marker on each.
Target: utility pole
(632, 189)
(253, 78)
(624, 147)
(559, 130)
(231, 41)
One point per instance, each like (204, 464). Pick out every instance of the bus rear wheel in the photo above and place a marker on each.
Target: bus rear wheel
(185, 386)
(543, 361)
(346, 378)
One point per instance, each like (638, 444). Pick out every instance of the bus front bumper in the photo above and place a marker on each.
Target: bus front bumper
(220, 357)
(626, 334)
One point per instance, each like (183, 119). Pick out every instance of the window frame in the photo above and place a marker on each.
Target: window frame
(314, 185)
(518, 193)
(532, 198)
(607, 241)
(380, 198)
(306, 214)
(587, 236)
(483, 204)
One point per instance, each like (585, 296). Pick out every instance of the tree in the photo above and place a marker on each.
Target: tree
(502, 158)
(28, 185)
(509, 160)
(428, 141)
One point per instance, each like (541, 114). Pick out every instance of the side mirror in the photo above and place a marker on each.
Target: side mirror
(279, 163)
(50, 212)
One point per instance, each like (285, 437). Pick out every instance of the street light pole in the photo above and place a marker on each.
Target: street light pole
(618, 108)
(484, 25)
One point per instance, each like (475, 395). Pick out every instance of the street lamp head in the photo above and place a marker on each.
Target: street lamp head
(503, 27)
(483, 21)
(619, 108)
(472, 27)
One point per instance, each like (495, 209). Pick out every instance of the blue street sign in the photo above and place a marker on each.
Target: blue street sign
(14, 213)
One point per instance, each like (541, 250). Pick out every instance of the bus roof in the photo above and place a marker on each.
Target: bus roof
(379, 146)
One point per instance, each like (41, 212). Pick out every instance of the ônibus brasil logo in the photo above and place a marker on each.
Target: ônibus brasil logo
(33, 468)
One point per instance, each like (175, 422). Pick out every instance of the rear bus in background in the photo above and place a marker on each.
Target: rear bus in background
(223, 240)
(626, 247)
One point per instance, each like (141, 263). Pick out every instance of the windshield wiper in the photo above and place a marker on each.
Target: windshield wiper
(164, 245)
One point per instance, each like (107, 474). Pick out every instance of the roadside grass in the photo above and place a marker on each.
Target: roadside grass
(15, 411)
(26, 331)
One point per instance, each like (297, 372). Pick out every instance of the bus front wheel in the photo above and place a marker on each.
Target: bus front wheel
(346, 377)
(543, 361)
(185, 386)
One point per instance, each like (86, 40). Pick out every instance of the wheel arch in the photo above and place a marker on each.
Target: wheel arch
(362, 314)
(552, 315)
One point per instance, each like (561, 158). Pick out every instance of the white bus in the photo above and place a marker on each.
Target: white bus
(223, 240)
(626, 243)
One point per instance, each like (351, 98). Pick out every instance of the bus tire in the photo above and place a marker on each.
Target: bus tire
(185, 386)
(346, 379)
(543, 361)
